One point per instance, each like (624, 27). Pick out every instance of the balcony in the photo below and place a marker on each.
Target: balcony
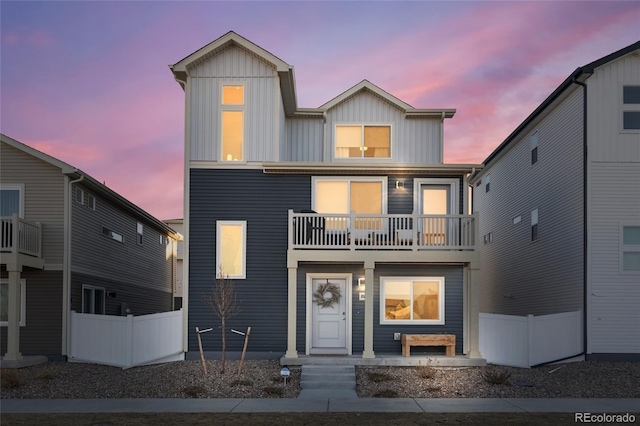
(20, 241)
(381, 232)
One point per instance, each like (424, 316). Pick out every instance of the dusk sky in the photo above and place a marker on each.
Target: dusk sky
(89, 82)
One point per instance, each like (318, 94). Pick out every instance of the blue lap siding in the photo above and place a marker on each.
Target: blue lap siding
(263, 201)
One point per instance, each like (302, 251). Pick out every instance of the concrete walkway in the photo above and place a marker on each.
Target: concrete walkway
(316, 405)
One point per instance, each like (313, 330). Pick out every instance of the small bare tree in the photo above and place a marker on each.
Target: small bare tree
(222, 300)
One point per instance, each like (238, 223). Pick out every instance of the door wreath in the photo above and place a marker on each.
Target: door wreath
(327, 294)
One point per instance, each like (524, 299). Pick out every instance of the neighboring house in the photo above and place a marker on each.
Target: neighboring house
(178, 226)
(70, 243)
(349, 202)
(559, 208)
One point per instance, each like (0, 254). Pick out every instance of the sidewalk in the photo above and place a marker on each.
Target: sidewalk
(334, 405)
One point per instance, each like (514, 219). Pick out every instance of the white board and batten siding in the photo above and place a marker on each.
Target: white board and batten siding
(414, 140)
(262, 105)
(518, 276)
(613, 201)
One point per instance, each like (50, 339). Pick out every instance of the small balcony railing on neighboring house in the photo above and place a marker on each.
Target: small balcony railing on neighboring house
(381, 231)
(18, 236)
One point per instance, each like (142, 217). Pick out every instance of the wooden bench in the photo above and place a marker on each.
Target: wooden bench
(448, 340)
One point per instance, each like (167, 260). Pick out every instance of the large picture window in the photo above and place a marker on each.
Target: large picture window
(363, 141)
(231, 245)
(4, 302)
(346, 195)
(232, 123)
(412, 300)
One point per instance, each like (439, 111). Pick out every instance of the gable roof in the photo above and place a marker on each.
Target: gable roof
(367, 86)
(93, 184)
(580, 74)
(181, 68)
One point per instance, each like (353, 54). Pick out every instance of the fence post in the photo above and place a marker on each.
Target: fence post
(530, 339)
(130, 340)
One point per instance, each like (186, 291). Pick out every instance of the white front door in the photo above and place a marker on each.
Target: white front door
(329, 315)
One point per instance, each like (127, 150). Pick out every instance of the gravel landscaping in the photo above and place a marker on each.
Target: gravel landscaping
(261, 379)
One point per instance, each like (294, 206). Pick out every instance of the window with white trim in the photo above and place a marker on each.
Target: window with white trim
(91, 201)
(363, 141)
(630, 248)
(11, 200)
(534, 225)
(139, 230)
(79, 195)
(487, 183)
(4, 302)
(93, 300)
(631, 108)
(412, 300)
(232, 118)
(231, 249)
(533, 142)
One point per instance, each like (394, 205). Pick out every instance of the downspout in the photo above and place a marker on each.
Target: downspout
(324, 136)
(584, 214)
(66, 271)
(185, 218)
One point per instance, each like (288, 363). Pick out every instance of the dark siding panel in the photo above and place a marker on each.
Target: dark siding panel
(140, 300)
(262, 200)
(147, 265)
(42, 334)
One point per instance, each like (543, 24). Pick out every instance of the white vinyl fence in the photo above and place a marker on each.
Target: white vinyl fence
(526, 341)
(126, 341)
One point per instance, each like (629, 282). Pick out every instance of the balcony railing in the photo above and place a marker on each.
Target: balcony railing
(18, 236)
(381, 232)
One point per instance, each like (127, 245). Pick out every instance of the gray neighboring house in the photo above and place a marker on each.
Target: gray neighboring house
(341, 226)
(70, 243)
(559, 208)
(178, 226)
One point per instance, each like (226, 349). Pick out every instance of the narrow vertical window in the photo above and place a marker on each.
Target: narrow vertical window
(533, 140)
(232, 133)
(631, 108)
(79, 195)
(487, 183)
(139, 229)
(91, 201)
(231, 249)
(534, 225)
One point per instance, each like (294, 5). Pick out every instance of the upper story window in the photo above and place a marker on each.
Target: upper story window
(363, 141)
(232, 129)
(79, 195)
(631, 108)
(139, 230)
(11, 200)
(533, 141)
(534, 225)
(487, 183)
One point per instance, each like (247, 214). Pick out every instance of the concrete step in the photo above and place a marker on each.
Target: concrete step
(327, 393)
(323, 381)
(337, 384)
